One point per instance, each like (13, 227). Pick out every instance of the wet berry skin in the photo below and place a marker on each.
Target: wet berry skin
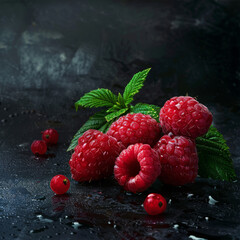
(155, 204)
(60, 184)
(50, 136)
(39, 147)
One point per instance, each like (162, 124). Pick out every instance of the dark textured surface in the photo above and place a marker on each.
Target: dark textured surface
(51, 52)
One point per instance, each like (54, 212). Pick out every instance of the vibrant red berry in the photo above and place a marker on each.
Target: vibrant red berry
(135, 128)
(50, 136)
(137, 167)
(60, 184)
(179, 159)
(94, 156)
(39, 147)
(185, 116)
(155, 204)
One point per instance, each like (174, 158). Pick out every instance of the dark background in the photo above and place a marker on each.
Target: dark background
(52, 52)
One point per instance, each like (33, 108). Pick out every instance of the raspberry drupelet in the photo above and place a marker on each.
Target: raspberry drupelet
(135, 128)
(94, 156)
(185, 116)
(137, 167)
(179, 159)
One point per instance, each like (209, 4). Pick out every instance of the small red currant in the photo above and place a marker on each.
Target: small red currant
(60, 184)
(50, 136)
(39, 147)
(155, 204)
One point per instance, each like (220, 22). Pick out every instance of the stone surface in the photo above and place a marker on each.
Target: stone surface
(51, 52)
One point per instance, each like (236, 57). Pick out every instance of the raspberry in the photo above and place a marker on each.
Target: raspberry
(185, 116)
(178, 156)
(94, 156)
(60, 184)
(155, 204)
(135, 128)
(50, 136)
(137, 167)
(39, 147)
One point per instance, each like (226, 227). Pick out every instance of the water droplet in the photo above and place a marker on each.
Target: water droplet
(196, 238)
(175, 226)
(109, 222)
(212, 201)
(42, 219)
(129, 194)
(170, 201)
(76, 225)
(206, 218)
(189, 195)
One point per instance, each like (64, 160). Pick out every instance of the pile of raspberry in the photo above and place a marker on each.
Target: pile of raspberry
(138, 149)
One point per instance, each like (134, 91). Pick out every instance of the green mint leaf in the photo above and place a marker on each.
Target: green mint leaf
(214, 156)
(97, 98)
(117, 114)
(97, 121)
(121, 101)
(147, 109)
(134, 85)
(114, 108)
(105, 127)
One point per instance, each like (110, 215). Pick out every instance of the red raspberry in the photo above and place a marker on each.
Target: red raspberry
(94, 156)
(39, 147)
(50, 136)
(60, 184)
(135, 128)
(137, 167)
(185, 116)
(155, 204)
(178, 156)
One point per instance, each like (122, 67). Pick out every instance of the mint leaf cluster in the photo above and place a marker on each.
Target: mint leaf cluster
(214, 156)
(116, 106)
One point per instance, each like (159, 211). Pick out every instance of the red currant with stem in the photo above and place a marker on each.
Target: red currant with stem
(155, 204)
(50, 136)
(60, 184)
(39, 147)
